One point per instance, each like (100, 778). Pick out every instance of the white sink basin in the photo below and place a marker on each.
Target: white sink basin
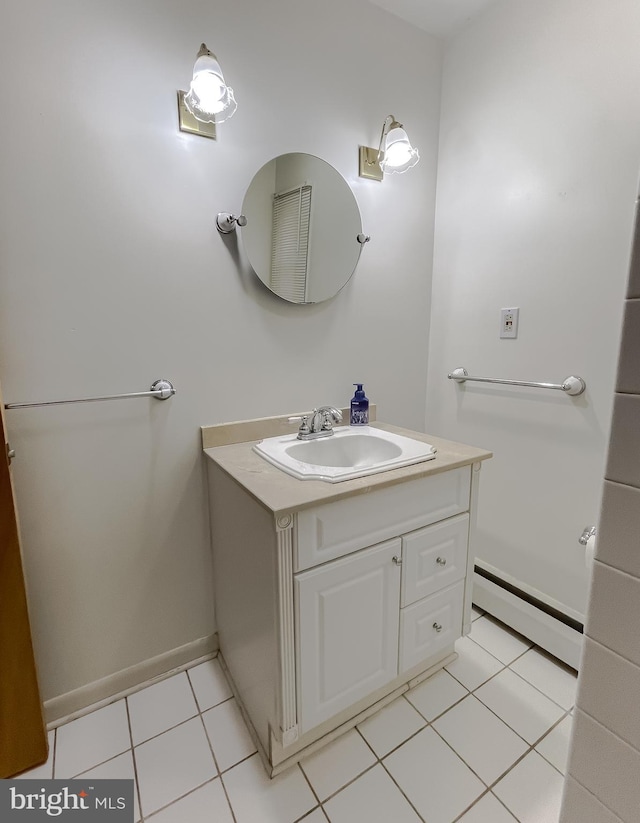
(346, 454)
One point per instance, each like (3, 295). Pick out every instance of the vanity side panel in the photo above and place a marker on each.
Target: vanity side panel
(471, 553)
(244, 548)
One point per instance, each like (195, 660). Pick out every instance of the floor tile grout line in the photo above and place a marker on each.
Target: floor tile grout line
(215, 761)
(55, 747)
(567, 713)
(488, 786)
(98, 707)
(531, 746)
(177, 725)
(503, 665)
(533, 685)
(511, 768)
(244, 760)
(215, 706)
(378, 759)
(504, 806)
(554, 724)
(96, 765)
(150, 816)
(349, 783)
(509, 632)
(306, 815)
(402, 792)
(195, 696)
(494, 675)
(170, 729)
(307, 778)
(378, 762)
(437, 717)
(502, 720)
(460, 757)
(193, 692)
(133, 758)
(556, 661)
(206, 734)
(506, 665)
(477, 800)
(381, 761)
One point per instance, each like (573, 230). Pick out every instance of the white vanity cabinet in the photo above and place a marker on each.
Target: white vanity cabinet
(364, 619)
(331, 607)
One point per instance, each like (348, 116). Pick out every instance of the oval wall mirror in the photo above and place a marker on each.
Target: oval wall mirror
(302, 229)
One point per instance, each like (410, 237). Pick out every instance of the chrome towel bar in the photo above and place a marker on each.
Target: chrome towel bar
(161, 390)
(570, 385)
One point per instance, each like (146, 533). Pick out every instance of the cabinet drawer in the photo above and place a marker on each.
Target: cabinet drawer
(430, 625)
(335, 529)
(434, 557)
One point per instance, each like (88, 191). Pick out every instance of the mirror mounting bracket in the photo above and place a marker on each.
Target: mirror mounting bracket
(226, 222)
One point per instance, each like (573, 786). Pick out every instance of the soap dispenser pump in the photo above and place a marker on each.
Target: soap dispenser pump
(359, 407)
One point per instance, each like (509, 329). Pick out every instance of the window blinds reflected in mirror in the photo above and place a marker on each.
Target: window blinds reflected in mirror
(290, 243)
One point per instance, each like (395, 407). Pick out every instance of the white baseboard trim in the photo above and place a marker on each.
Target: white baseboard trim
(544, 630)
(81, 701)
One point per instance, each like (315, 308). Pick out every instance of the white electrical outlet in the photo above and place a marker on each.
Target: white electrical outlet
(509, 323)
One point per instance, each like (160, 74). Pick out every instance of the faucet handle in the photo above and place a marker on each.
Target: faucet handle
(303, 419)
(330, 415)
(327, 421)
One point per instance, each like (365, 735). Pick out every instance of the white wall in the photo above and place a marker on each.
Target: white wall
(538, 167)
(112, 275)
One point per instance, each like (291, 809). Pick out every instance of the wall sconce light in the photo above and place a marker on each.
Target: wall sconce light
(394, 154)
(209, 99)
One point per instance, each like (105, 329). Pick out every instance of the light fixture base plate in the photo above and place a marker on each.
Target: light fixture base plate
(189, 123)
(369, 165)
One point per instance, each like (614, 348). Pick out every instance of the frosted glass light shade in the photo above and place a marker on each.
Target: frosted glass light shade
(209, 99)
(399, 155)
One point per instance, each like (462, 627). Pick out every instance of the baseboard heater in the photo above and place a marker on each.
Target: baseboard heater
(531, 600)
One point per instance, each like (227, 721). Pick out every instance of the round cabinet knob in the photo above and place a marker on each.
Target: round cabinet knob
(437, 626)
(397, 560)
(441, 561)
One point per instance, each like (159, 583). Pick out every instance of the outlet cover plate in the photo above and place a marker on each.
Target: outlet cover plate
(509, 323)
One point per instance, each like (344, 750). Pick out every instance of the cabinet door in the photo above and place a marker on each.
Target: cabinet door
(348, 615)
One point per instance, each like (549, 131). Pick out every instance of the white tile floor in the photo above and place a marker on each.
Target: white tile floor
(484, 741)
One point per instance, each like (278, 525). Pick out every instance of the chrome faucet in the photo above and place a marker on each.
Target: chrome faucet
(318, 423)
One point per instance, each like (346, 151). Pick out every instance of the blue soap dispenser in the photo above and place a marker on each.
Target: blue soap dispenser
(359, 407)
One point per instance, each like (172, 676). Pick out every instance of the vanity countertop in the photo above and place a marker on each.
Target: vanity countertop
(281, 493)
